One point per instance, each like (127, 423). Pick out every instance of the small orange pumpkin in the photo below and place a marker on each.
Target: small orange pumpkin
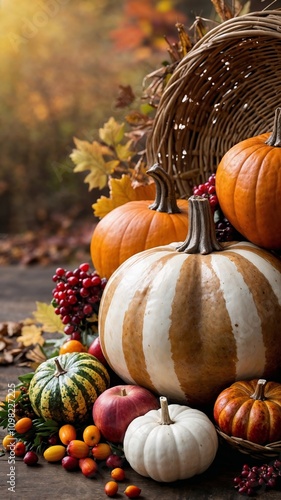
(250, 410)
(248, 185)
(139, 225)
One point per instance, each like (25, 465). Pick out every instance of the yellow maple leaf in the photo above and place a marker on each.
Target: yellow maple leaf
(46, 316)
(112, 132)
(92, 157)
(122, 191)
(123, 151)
(31, 335)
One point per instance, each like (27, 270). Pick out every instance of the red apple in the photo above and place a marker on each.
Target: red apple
(95, 350)
(117, 406)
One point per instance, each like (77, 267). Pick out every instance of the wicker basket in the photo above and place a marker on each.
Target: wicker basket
(270, 451)
(224, 90)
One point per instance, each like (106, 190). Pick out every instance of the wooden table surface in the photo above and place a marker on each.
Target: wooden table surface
(20, 288)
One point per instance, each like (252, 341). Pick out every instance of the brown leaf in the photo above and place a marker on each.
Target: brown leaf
(2, 345)
(125, 97)
(13, 328)
(6, 358)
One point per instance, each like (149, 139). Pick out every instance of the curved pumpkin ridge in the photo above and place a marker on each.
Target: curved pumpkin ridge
(266, 294)
(110, 257)
(202, 349)
(114, 306)
(244, 197)
(128, 240)
(134, 351)
(228, 178)
(268, 219)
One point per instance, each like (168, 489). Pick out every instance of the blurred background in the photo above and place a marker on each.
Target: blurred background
(61, 64)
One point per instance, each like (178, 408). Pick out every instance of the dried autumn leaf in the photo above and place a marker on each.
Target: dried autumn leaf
(90, 156)
(6, 358)
(36, 356)
(122, 191)
(123, 151)
(125, 97)
(31, 335)
(112, 132)
(46, 316)
(2, 345)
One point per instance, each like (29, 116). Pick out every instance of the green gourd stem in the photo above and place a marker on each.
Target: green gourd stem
(165, 197)
(201, 236)
(275, 137)
(259, 391)
(60, 370)
(164, 409)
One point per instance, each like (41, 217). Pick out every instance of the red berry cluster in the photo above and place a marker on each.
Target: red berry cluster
(208, 190)
(253, 479)
(224, 230)
(76, 297)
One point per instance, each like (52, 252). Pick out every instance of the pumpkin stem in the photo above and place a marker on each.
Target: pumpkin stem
(165, 417)
(275, 137)
(60, 370)
(201, 236)
(165, 197)
(259, 391)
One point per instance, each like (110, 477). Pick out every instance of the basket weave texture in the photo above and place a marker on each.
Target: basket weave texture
(270, 451)
(225, 90)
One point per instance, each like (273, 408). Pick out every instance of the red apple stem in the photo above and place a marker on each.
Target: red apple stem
(123, 391)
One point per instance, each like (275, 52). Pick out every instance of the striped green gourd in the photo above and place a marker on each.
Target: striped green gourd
(64, 388)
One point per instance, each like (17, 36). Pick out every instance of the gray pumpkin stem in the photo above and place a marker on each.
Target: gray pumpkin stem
(165, 197)
(275, 138)
(201, 237)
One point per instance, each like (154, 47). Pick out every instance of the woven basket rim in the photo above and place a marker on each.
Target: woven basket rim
(250, 448)
(205, 146)
(250, 25)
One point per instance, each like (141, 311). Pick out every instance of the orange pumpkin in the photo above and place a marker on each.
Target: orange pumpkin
(248, 185)
(139, 225)
(250, 410)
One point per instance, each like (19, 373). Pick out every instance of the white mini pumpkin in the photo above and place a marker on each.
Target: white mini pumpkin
(172, 443)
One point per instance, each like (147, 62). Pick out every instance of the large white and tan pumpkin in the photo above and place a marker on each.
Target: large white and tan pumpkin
(186, 320)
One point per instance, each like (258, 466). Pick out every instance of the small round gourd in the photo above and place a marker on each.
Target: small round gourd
(187, 320)
(251, 410)
(65, 388)
(175, 442)
(248, 185)
(138, 225)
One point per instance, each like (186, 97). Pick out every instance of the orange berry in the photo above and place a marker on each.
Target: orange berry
(12, 396)
(8, 441)
(67, 433)
(118, 474)
(132, 491)
(71, 346)
(88, 466)
(111, 488)
(78, 449)
(20, 449)
(101, 451)
(23, 425)
(91, 435)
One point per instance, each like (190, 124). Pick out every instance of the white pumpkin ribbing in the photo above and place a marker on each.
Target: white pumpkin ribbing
(151, 278)
(245, 321)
